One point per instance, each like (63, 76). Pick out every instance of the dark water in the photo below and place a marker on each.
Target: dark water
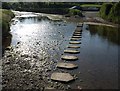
(98, 58)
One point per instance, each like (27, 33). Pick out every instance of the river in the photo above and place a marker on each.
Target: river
(38, 43)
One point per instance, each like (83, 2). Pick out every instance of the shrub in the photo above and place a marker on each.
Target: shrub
(105, 10)
(75, 12)
(115, 13)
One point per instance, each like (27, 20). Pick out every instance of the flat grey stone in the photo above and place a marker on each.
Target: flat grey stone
(75, 39)
(69, 57)
(78, 32)
(76, 36)
(73, 46)
(80, 25)
(67, 65)
(64, 77)
(71, 51)
(75, 42)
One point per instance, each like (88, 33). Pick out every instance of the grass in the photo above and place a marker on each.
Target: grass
(90, 5)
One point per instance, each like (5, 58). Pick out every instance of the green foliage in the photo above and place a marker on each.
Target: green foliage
(111, 12)
(75, 12)
(115, 13)
(6, 16)
(105, 10)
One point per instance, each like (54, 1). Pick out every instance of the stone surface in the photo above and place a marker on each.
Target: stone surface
(75, 42)
(75, 39)
(78, 32)
(73, 46)
(67, 65)
(69, 57)
(76, 36)
(64, 77)
(71, 51)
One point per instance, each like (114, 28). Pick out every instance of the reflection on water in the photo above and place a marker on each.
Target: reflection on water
(109, 33)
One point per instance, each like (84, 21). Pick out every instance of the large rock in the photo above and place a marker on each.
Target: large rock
(75, 42)
(69, 57)
(67, 65)
(71, 51)
(63, 77)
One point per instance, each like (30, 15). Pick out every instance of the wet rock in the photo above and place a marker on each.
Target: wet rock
(76, 36)
(69, 57)
(8, 48)
(7, 62)
(25, 55)
(9, 55)
(75, 39)
(18, 43)
(73, 46)
(64, 77)
(79, 87)
(75, 42)
(71, 51)
(66, 65)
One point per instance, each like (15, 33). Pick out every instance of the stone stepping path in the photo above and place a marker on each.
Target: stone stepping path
(74, 42)
(73, 46)
(63, 77)
(67, 65)
(66, 77)
(71, 51)
(69, 57)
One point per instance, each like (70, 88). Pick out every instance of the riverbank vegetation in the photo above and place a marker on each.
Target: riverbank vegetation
(111, 12)
(5, 17)
(50, 7)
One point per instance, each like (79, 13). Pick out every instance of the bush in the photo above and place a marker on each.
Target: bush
(75, 12)
(7, 15)
(115, 13)
(111, 12)
(105, 10)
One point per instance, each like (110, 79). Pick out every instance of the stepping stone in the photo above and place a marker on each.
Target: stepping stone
(72, 46)
(69, 57)
(80, 25)
(63, 77)
(76, 36)
(67, 65)
(78, 32)
(71, 51)
(74, 42)
(75, 39)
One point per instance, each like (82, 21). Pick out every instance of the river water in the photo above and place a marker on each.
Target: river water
(42, 37)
